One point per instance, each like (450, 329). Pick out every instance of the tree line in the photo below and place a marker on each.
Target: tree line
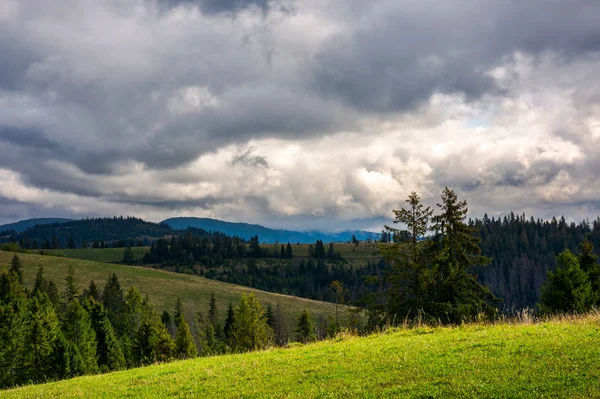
(51, 334)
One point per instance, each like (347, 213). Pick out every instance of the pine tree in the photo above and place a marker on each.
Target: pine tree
(70, 289)
(212, 310)
(15, 267)
(588, 261)
(457, 295)
(250, 330)
(178, 313)
(108, 349)
(305, 328)
(40, 338)
(77, 328)
(568, 289)
(280, 334)
(153, 342)
(288, 251)
(229, 321)
(39, 282)
(133, 314)
(113, 301)
(185, 347)
(14, 326)
(91, 291)
(128, 256)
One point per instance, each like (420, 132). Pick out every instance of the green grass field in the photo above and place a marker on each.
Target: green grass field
(163, 287)
(554, 359)
(98, 254)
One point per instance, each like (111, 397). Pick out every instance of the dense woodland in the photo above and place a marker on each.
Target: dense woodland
(49, 334)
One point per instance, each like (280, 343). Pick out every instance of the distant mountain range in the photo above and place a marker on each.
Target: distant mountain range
(23, 225)
(265, 234)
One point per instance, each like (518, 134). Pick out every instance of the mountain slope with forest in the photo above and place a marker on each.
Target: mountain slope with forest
(23, 225)
(265, 234)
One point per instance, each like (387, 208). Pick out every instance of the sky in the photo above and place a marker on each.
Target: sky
(298, 114)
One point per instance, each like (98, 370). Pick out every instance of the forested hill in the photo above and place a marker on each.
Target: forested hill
(524, 250)
(23, 225)
(85, 232)
(265, 234)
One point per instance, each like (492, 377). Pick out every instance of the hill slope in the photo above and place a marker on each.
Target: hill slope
(23, 225)
(163, 287)
(265, 234)
(559, 359)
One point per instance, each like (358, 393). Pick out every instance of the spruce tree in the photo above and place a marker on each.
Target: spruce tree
(40, 337)
(229, 321)
(212, 310)
(185, 347)
(133, 313)
(114, 301)
(288, 251)
(70, 289)
(588, 261)
(305, 328)
(14, 326)
(108, 349)
(91, 291)
(568, 289)
(280, 334)
(456, 294)
(77, 328)
(15, 267)
(250, 330)
(178, 313)
(128, 256)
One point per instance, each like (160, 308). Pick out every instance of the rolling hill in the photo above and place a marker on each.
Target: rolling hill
(265, 234)
(559, 358)
(163, 287)
(23, 225)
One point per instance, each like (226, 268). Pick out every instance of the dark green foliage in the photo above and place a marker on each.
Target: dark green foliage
(77, 329)
(166, 319)
(108, 348)
(229, 321)
(185, 347)
(280, 334)
(568, 289)
(41, 337)
(128, 256)
(178, 313)
(153, 343)
(113, 301)
(588, 261)
(70, 289)
(91, 292)
(430, 276)
(305, 329)
(16, 268)
(250, 330)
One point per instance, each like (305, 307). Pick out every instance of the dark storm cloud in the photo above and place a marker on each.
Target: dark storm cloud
(91, 90)
(395, 60)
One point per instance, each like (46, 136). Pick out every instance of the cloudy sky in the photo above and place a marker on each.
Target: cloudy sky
(297, 113)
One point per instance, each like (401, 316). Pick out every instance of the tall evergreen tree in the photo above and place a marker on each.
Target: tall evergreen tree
(229, 321)
(178, 313)
(41, 337)
(305, 328)
(91, 291)
(114, 301)
(108, 349)
(457, 295)
(185, 347)
(280, 334)
(70, 289)
(288, 251)
(250, 330)
(15, 267)
(77, 328)
(588, 261)
(568, 289)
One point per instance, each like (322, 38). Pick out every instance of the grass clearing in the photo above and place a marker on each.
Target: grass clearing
(559, 358)
(163, 287)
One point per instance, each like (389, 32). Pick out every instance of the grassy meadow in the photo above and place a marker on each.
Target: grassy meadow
(559, 358)
(355, 255)
(163, 287)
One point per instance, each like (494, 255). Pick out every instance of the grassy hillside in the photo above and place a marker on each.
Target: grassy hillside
(98, 254)
(557, 359)
(163, 287)
(354, 255)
